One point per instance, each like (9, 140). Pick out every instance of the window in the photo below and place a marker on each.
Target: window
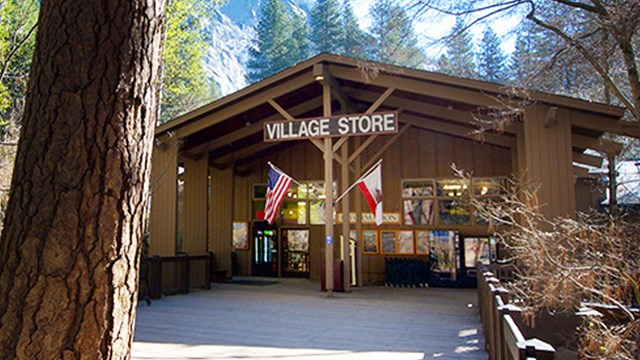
(418, 202)
(303, 204)
(449, 198)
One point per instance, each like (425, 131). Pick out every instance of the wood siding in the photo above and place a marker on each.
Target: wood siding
(164, 199)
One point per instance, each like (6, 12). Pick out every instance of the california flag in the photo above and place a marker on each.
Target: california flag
(371, 187)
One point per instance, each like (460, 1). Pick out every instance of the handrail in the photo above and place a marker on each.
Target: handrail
(504, 340)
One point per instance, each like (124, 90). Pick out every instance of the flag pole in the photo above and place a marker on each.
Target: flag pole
(356, 182)
(282, 172)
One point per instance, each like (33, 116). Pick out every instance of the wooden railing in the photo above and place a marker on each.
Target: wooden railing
(503, 338)
(169, 275)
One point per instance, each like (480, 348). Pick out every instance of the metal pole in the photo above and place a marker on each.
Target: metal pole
(328, 186)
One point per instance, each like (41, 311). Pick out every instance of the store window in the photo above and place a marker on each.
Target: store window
(418, 202)
(303, 204)
(453, 201)
(488, 190)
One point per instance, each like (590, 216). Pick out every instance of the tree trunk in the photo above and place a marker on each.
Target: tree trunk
(69, 252)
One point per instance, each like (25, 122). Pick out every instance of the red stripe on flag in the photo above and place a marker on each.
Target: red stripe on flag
(275, 197)
(368, 196)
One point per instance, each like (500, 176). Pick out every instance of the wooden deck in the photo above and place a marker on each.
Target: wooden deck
(292, 319)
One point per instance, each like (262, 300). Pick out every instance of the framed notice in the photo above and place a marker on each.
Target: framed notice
(370, 241)
(388, 241)
(240, 235)
(405, 242)
(422, 242)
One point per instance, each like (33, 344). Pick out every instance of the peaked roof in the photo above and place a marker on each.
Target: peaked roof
(230, 129)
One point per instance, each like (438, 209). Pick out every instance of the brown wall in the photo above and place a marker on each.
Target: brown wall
(416, 154)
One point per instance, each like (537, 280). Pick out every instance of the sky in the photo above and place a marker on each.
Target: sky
(435, 27)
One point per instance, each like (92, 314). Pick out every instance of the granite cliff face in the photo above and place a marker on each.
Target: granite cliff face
(232, 32)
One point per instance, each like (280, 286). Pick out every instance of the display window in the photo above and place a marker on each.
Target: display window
(418, 202)
(294, 212)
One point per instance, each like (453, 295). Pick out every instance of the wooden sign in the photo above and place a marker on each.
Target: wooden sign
(332, 126)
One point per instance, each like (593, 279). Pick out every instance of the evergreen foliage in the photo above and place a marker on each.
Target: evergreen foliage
(18, 19)
(354, 40)
(491, 59)
(281, 41)
(184, 80)
(459, 59)
(393, 37)
(326, 27)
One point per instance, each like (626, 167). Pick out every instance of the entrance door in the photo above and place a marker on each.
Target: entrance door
(265, 251)
(295, 252)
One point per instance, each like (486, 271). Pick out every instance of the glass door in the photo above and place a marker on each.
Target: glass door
(295, 252)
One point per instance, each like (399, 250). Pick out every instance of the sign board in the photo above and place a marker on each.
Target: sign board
(369, 218)
(331, 126)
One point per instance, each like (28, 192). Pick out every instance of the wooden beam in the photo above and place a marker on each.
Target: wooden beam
(550, 118)
(603, 145)
(457, 130)
(225, 161)
(362, 148)
(253, 128)
(384, 148)
(280, 110)
(250, 102)
(604, 124)
(322, 75)
(339, 143)
(376, 104)
(317, 143)
(419, 87)
(590, 160)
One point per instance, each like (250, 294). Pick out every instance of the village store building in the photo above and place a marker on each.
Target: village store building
(219, 155)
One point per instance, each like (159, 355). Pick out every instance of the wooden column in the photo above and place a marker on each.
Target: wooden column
(358, 210)
(328, 186)
(345, 217)
(195, 205)
(220, 216)
(164, 198)
(549, 160)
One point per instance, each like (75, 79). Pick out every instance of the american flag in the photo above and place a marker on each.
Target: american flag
(277, 187)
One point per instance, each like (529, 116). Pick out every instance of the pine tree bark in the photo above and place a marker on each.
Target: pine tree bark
(69, 251)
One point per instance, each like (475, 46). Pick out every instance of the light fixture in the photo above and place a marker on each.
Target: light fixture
(319, 77)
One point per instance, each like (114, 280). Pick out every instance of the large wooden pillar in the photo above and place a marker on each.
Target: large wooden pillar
(195, 205)
(328, 185)
(164, 198)
(548, 159)
(221, 216)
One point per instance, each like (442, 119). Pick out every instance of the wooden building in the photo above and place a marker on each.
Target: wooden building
(224, 159)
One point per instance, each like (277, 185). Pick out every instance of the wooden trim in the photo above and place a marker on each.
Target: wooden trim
(362, 148)
(551, 118)
(590, 160)
(280, 110)
(253, 128)
(380, 100)
(339, 143)
(607, 146)
(456, 130)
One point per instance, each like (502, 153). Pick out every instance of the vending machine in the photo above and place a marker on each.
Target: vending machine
(265, 251)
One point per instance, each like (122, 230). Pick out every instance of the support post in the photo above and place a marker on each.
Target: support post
(164, 198)
(345, 220)
(358, 211)
(328, 186)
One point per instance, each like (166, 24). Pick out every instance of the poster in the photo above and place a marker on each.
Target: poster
(476, 249)
(389, 241)
(370, 241)
(240, 234)
(443, 253)
(405, 242)
(422, 242)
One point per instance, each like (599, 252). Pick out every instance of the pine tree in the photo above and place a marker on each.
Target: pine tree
(300, 49)
(459, 59)
(393, 37)
(326, 32)
(272, 51)
(354, 40)
(491, 59)
(184, 80)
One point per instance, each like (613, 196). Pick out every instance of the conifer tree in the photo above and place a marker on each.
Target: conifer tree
(354, 40)
(301, 46)
(459, 59)
(491, 59)
(326, 31)
(393, 37)
(277, 45)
